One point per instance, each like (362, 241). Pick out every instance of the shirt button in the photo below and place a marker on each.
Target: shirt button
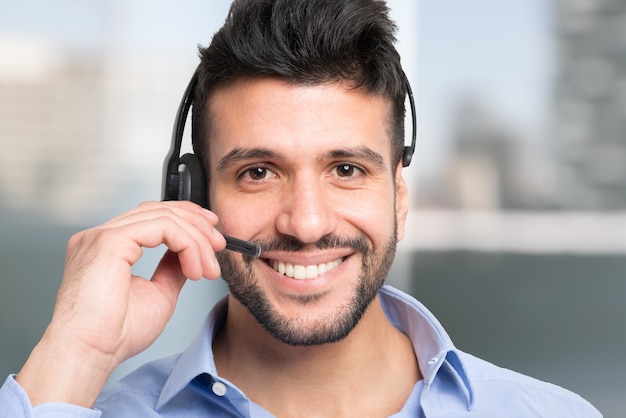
(219, 388)
(433, 361)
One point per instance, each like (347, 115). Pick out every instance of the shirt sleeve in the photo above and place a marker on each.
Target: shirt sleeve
(14, 403)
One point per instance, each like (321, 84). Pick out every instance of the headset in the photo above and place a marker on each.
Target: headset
(184, 177)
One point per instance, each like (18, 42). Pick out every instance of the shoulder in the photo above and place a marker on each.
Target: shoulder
(496, 388)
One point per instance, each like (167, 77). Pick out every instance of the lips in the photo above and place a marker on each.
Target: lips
(302, 272)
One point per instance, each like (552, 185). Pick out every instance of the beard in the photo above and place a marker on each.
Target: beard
(335, 325)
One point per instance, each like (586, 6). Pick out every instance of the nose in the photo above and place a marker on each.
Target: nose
(307, 211)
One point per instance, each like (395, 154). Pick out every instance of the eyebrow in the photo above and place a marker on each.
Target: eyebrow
(360, 153)
(243, 154)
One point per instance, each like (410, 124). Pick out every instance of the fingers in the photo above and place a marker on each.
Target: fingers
(185, 228)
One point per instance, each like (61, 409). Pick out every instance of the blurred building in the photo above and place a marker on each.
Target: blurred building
(78, 130)
(590, 103)
(578, 161)
(50, 126)
(490, 165)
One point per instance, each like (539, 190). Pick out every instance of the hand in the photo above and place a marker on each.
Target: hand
(103, 313)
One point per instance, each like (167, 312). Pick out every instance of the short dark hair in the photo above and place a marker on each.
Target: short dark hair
(304, 42)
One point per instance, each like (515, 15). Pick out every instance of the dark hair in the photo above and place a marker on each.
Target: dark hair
(308, 42)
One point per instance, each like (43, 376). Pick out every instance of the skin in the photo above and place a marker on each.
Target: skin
(288, 164)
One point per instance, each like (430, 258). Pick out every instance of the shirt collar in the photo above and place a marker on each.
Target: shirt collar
(433, 347)
(198, 358)
(432, 344)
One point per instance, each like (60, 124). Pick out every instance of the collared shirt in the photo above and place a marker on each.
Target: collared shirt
(454, 384)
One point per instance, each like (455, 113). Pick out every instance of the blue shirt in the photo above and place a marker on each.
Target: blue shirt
(454, 384)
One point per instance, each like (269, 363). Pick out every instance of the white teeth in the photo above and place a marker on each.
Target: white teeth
(311, 272)
(301, 272)
(321, 269)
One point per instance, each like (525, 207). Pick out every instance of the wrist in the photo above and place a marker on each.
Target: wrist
(64, 372)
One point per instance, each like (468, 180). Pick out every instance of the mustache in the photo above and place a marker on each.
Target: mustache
(292, 244)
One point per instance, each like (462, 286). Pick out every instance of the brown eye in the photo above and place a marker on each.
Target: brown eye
(345, 170)
(258, 173)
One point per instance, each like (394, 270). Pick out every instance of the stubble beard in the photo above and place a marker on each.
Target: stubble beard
(332, 327)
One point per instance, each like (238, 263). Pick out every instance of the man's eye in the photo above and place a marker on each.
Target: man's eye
(347, 170)
(258, 173)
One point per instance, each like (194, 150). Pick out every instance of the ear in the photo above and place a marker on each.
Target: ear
(402, 202)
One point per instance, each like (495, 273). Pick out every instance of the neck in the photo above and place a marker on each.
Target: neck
(373, 369)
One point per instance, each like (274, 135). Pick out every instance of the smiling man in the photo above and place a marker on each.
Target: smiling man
(329, 195)
(298, 127)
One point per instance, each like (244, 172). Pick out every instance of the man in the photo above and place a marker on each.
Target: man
(298, 122)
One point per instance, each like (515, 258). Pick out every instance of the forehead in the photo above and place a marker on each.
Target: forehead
(295, 118)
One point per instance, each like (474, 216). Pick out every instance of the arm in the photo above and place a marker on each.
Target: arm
(103, 313)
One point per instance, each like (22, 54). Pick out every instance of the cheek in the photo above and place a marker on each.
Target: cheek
(244, 217)
(374, 214)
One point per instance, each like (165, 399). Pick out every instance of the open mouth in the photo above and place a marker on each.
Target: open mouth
(301, 272)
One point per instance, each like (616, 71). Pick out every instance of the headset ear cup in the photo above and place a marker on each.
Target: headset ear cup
(194, 179)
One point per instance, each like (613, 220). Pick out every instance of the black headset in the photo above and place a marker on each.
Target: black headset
(184, 177)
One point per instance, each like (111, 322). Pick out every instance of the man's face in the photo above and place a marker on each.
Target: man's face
(305, 171)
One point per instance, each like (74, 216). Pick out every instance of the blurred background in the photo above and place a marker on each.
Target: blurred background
(517, 233)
